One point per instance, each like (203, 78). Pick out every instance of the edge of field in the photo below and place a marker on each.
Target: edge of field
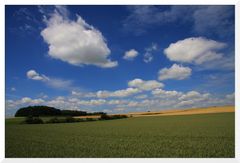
(207, 110)
(191, 111)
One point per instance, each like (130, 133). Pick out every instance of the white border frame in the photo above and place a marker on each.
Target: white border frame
(120, 2)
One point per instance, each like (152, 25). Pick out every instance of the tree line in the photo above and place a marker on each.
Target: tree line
(51, 111)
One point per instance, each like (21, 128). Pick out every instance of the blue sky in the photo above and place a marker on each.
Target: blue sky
(119, 58)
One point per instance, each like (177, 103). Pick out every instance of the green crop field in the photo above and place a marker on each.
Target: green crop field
(206, 135)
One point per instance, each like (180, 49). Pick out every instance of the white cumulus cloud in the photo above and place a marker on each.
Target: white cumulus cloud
(130, 54)
(194, 95)
(76, 42)
(231, 96)
(196, 50)
(32, 74)
(166, 94)
(83, 94)
(143, 96)
(175, 72)
(118, 93)
(145, 85)
(187, 103)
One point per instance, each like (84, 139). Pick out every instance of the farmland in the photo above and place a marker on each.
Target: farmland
(200, 135)
(206, 110)
(119, 80)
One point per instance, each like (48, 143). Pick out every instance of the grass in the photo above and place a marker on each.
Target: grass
(206, 135)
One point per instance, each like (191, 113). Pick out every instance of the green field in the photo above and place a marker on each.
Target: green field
(206, 135)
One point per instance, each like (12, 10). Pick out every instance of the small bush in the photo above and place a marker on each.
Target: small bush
(54, 120)
(70, 120)
(90, 119)
(81, 120)
(37, 120)
(108, 117)
(119, 116)
(105, 117)
(66, 120)
(33, 120)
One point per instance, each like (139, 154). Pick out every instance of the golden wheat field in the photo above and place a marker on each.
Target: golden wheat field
(191, 111)
(207, 110)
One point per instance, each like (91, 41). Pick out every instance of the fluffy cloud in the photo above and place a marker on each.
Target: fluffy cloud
(26, 100)
(196, 50)
(76, 42)
(119, 109)
(125, 92)
(187, 103)
(118, 93)
(83, 94)
(117, 102)
(133, 104)
(231, 96)
(141, 96)
(92, 102)
(130, 55)
(192, 99)
(194, 95)
(175, 72)
(107, 94)
(58, 102)
(11, 104)
(32, 74)
(186, 99)
(145, 85)
(175, 100)
(166, 94)
(52, 82)
(195, 99)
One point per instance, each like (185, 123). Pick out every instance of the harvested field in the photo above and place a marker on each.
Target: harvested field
(208, 110)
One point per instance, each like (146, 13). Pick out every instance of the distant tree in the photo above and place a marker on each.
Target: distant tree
(97, 113)
(109, 117)
(36, 111)
(73, 113)
(105, 117)
(70, 119)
